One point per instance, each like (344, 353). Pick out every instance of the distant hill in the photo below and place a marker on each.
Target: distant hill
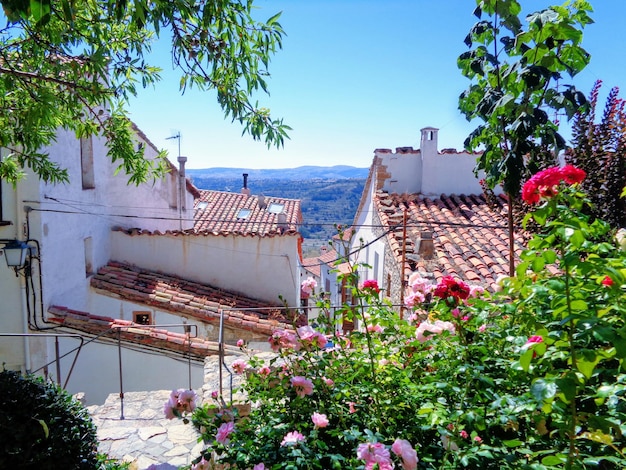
(299, 173)
(329, 195)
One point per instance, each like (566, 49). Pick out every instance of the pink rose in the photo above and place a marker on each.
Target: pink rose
(435, 328)
(534, 339)
(265, 371)
(283, 339)
(308, 286)
(180, 401)
(375, 455)
(240, 366)
(224, 432)
(374, 328)
(413, 299)
(309, 336)
(240, 343)
(168, 410)
(406, 452)
(292, 438)
(259, 466)
(319, 420)
(302, 385)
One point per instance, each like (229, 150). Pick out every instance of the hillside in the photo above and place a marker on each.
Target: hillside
(300, 173)
(329, 195)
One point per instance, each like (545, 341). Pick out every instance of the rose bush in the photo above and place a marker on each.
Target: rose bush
(530, 377)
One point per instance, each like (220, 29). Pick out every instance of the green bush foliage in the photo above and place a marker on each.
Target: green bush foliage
(43, 427)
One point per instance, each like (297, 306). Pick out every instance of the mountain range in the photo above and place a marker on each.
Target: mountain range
(300, 173)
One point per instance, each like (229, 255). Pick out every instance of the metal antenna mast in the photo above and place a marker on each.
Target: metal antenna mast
(177, 136)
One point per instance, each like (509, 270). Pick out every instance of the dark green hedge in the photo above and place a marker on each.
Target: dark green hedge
(43, 427)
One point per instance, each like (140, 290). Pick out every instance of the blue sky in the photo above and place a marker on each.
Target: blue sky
(353, 76)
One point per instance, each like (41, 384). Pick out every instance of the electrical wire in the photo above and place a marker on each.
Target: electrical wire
(412, 224)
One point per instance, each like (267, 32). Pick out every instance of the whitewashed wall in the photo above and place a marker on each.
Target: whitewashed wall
(63, 216)
(258, 267)
(97, 371)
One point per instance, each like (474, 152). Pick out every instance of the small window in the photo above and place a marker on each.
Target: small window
(142, 318)
(243, 213)
(275, 208)
(202, 205)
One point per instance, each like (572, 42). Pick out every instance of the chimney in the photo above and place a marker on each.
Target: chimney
(281, 222)
(428, 144)
(261, 202)
(427, 247)
(245, 189)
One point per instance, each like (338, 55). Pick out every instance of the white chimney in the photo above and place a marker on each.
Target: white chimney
(428, 144)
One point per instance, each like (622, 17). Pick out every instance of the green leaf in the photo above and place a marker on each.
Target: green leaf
(597, 436)
(538, 264)
(46, 431)
(40, 10)
(551, 460)
(567, 386)
(513, 443)
(525, 359)
(543, 390)
(549, 256)
(579, 305)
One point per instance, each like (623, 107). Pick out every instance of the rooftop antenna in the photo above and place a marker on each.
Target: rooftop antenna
(181, 181)
(177, 136)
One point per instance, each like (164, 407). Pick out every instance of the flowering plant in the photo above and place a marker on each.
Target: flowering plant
(180, 403)
(529, 377)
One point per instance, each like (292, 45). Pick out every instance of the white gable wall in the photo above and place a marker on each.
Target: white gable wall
(258, 267)
(449, 174)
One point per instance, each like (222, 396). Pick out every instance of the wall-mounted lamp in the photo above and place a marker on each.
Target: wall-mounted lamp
(15, 253)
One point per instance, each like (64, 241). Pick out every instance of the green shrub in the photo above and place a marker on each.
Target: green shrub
(43, 427)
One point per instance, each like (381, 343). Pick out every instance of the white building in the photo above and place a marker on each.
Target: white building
(424, 210)
(103, 254)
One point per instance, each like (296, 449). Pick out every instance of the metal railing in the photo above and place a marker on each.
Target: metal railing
(191, 331)
(58, 356)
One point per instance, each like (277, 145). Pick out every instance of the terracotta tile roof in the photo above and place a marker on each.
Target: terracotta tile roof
(470, 239)
(158, 338)
(224, 213)
(312, 265)
(192, 299)
(329, 258)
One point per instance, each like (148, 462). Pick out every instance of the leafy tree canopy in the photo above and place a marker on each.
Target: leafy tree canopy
(516, 69)
(73, 64)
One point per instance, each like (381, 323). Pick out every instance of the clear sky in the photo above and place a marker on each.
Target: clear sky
(354, 76)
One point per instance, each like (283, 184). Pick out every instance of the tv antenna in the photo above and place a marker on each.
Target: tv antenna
(177, 136)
